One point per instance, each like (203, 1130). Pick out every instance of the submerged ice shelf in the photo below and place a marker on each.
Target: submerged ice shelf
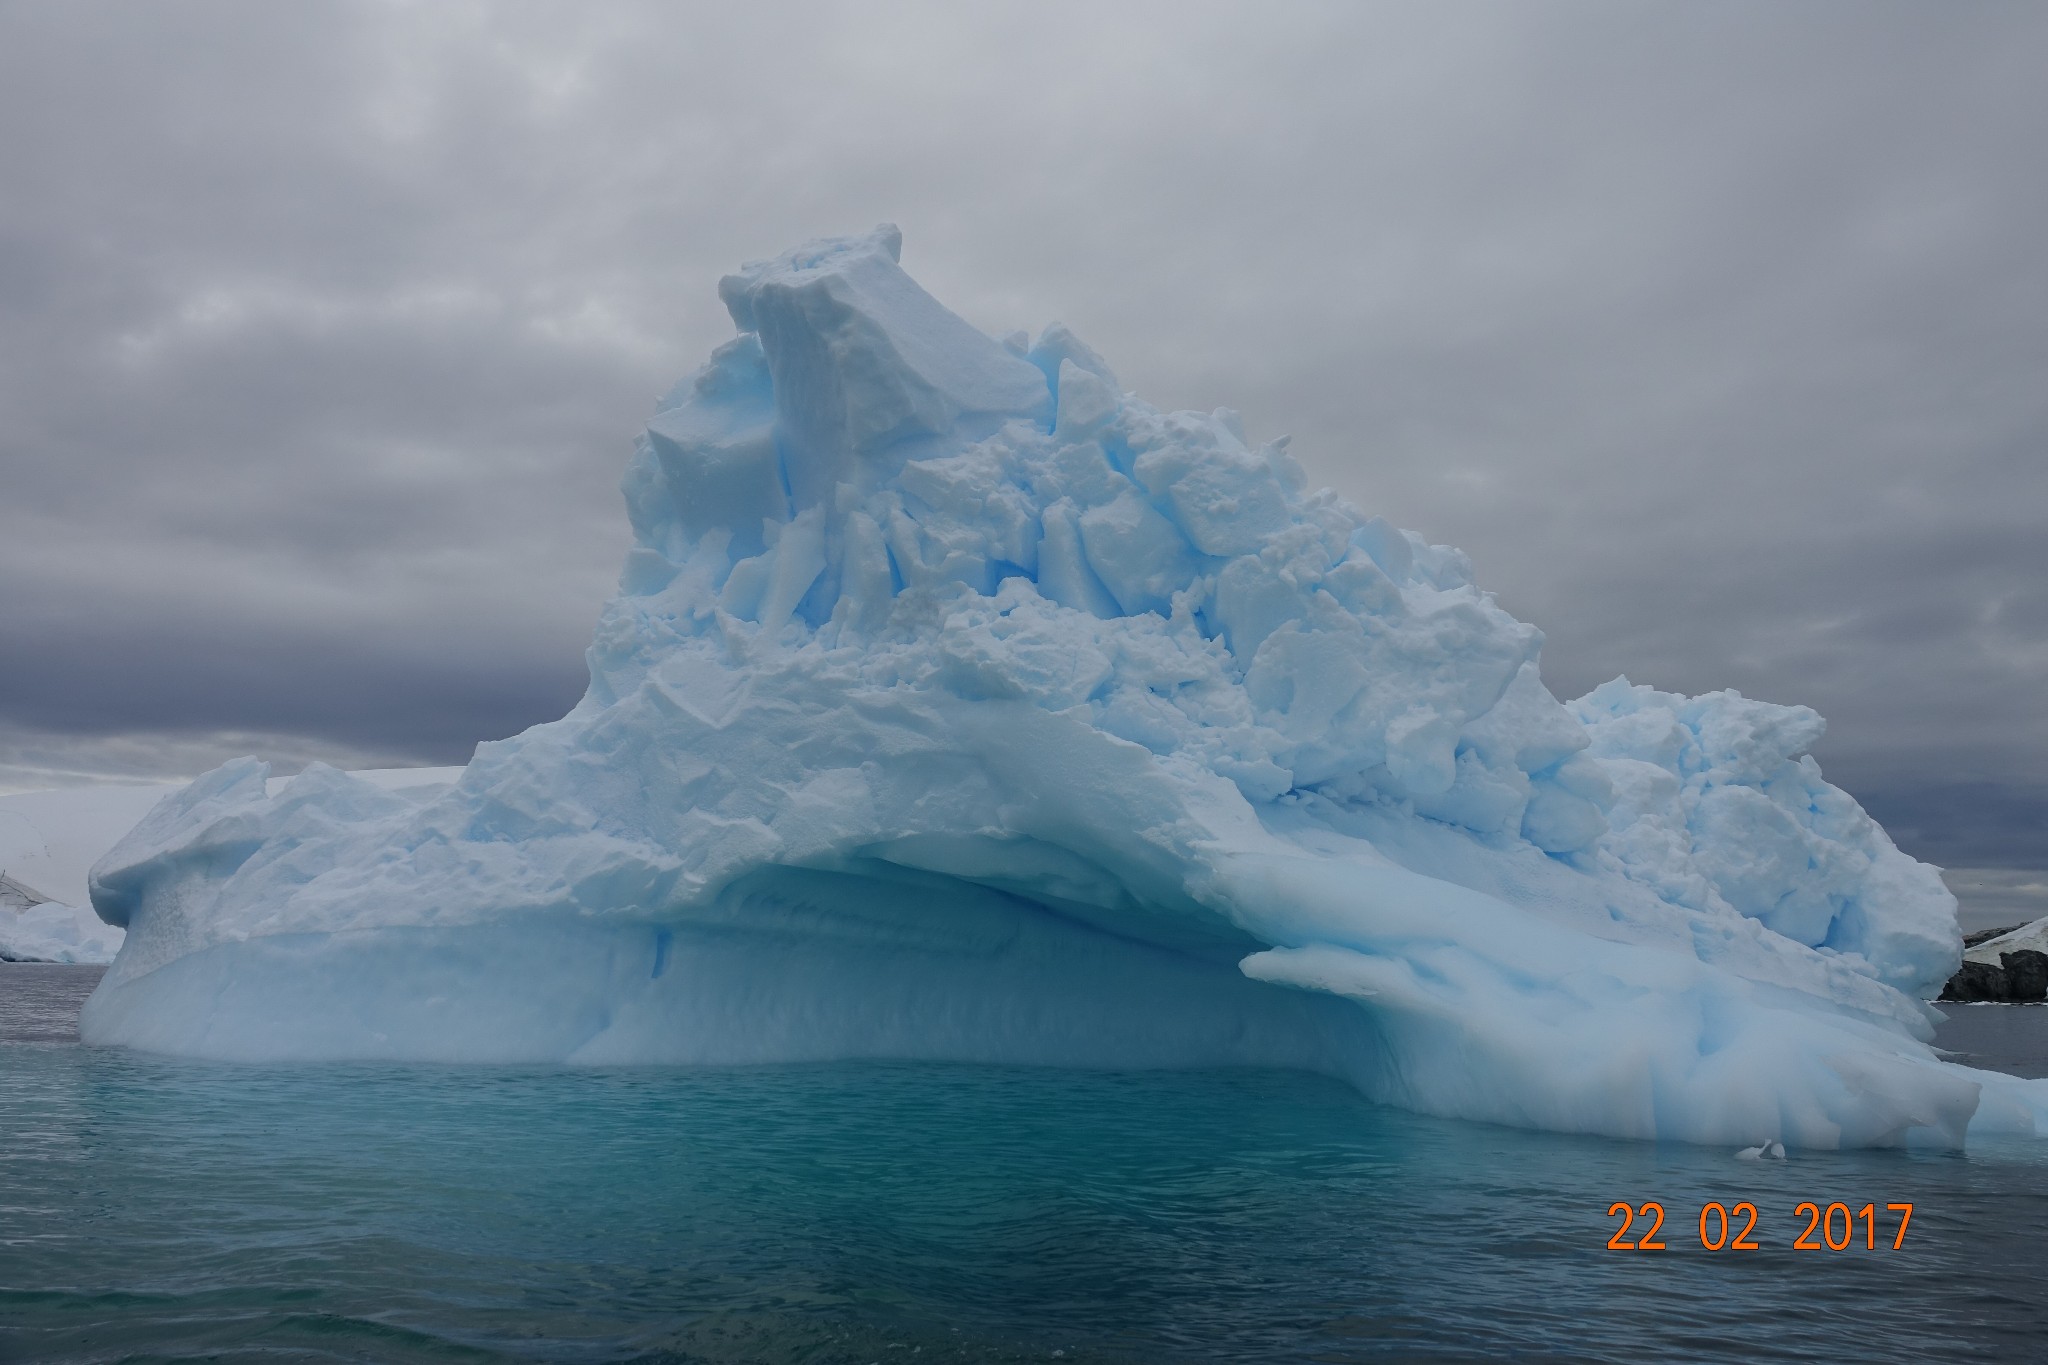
(957, 704)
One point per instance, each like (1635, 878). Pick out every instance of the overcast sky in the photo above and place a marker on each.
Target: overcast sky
(1717, 334)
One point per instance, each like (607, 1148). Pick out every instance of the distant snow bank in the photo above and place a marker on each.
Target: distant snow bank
(50, 839)
(2034, 936)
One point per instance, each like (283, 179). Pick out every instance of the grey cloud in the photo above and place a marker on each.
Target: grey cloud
(1714, 333)
(34, 760)
(1998, 897)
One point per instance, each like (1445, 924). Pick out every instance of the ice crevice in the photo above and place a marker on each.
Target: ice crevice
(957, 704)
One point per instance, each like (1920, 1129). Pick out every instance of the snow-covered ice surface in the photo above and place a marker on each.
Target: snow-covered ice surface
(49, 840)
(957, 704)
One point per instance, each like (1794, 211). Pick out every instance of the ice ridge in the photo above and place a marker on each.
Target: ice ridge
(956, 703)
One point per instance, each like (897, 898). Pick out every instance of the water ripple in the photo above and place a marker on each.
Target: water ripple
(153, 1208)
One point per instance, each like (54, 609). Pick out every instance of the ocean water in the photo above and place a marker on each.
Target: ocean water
(154, 1209)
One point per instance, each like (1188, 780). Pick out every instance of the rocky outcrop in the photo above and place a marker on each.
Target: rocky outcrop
(2027, 972)
(2020, 977)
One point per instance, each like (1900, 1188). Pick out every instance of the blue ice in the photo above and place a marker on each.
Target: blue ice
(956, 703)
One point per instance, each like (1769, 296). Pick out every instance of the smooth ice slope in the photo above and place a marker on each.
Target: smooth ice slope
(957, 704)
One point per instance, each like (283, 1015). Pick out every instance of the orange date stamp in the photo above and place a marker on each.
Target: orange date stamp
(1733, 1227)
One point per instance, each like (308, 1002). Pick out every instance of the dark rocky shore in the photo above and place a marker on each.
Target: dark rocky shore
(2018, 978)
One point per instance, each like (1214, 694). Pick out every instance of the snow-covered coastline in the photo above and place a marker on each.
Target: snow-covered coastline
(2032, 936)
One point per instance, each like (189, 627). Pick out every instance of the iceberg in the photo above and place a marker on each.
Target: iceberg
(956, 704)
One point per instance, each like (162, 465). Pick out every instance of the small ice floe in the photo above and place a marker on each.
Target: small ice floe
(1769, 1151)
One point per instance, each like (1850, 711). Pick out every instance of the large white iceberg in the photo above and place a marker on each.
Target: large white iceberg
(957, 704)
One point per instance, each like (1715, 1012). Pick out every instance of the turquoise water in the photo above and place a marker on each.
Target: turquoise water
(153, 1209)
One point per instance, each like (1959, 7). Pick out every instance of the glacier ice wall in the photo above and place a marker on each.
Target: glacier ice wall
(957, 704)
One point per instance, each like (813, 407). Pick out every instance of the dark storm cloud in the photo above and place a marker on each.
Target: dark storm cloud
(1714, 333)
